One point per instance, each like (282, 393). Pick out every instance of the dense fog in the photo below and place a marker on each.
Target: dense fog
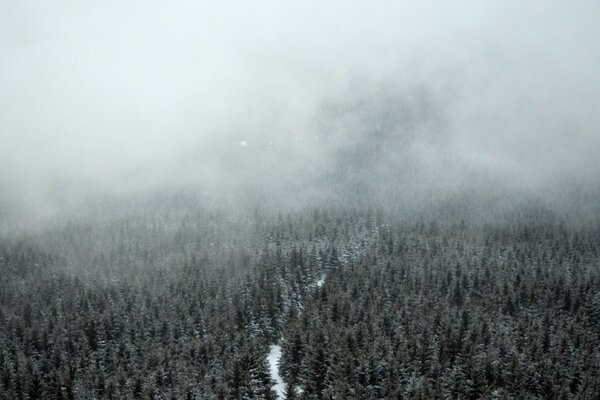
(322, 200)
(295, 104)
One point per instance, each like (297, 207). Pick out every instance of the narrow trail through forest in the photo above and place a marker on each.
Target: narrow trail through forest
(275, 355)
(273, 358)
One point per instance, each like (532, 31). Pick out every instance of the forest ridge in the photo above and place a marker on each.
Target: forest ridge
(185, 305)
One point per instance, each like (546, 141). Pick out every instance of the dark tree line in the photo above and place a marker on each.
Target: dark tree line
(183, 305)
(505, 312)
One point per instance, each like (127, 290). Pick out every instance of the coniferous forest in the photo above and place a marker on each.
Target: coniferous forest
(185, 304)
(299, 200)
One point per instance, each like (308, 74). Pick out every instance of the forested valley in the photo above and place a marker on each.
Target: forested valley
(311, 200)
(184, 302)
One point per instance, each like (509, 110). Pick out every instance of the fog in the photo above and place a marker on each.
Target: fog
(296, 103)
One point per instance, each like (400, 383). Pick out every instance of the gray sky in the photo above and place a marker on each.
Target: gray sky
(111, 96)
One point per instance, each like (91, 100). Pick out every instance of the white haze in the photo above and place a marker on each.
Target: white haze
(117, 97)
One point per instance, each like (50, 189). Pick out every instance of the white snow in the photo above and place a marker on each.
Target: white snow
(321, 281)
(273, 359)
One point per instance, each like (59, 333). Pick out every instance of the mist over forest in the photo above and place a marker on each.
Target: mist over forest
(301, 200)
(296, 105)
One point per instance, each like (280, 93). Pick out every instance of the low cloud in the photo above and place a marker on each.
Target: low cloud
(294, 103)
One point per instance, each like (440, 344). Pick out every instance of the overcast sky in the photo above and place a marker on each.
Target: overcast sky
(103, 96)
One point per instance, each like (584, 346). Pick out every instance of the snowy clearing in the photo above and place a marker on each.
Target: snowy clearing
(273, 359)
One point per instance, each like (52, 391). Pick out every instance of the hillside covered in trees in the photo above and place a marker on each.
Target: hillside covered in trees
(184, 304)
(315, 200)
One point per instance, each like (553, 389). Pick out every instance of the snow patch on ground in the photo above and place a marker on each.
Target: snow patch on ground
(321, 281)
(273, 359)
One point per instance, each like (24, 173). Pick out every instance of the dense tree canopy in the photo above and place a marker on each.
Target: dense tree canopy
(184, 306)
